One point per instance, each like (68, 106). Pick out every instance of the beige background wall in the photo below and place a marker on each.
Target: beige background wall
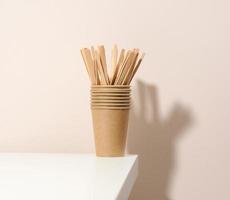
(180, 122)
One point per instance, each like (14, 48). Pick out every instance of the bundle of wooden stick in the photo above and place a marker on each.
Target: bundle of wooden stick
(124, 66)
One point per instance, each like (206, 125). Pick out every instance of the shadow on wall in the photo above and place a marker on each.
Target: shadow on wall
(154, 140)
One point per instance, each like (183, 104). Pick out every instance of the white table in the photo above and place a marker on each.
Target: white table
(66, 177)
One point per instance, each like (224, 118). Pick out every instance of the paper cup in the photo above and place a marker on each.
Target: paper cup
(110, 131)
(110, 107)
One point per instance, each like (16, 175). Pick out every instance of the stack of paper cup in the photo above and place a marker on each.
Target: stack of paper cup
(110, 106)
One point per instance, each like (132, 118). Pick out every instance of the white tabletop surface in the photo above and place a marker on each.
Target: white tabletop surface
(66, 177)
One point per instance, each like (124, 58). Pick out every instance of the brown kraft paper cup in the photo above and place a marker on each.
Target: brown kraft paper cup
(110, 129)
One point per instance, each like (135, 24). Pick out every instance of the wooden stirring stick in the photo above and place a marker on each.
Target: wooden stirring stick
(127, 57)
(95, 66)
(84, 59)
(126, 68)
(114, 61)
(136, 67)
(100, 69)
(130, 68)
(102, 56)
(121, 59)
(90, 63)
(98, 82)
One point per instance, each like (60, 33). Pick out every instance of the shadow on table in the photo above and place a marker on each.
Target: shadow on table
(154, 140)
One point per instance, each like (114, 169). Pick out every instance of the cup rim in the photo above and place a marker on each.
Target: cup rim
(110, 100)
(113, 90)
(111, 105)
(110, 94)
(110, 108)
(110, 86)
